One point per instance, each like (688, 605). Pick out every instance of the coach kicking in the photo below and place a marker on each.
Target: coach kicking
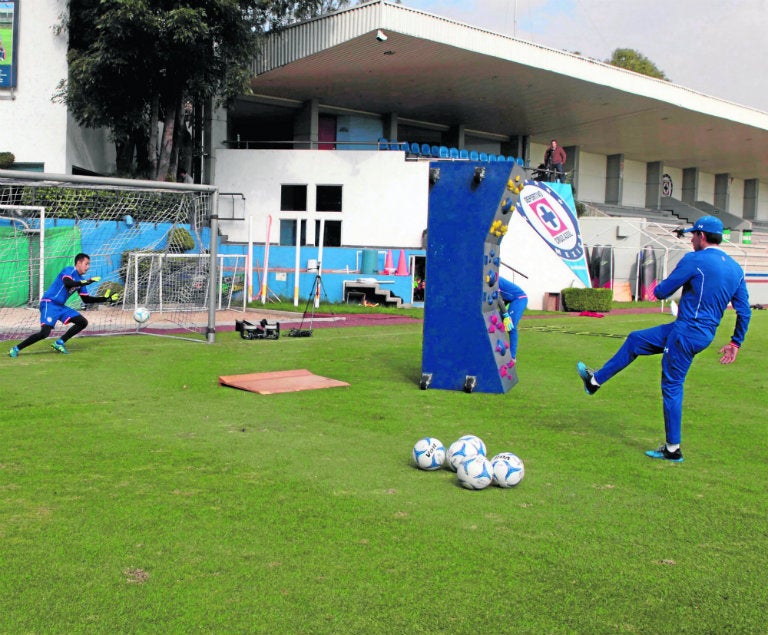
(53, 305)
(710, 280)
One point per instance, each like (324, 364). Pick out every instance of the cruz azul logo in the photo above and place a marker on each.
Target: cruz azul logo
(552, 219)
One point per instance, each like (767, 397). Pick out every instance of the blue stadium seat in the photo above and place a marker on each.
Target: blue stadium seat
(492, 157)
(443, 152)
(383, 143)
(511, 159)
(464, 154)
(403, 146)
(474, 156)
(453, 153)
(483, 156)
(425, 151)
(501, 157)
(521, 161)
(415, 149)
(435, 151)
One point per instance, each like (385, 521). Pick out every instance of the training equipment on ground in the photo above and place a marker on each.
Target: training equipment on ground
(141, 315)
(507, 469)
(467, 446)
(475, 472)
(428, 453)
(264, 330)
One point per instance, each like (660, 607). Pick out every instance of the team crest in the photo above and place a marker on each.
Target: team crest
(549, 215)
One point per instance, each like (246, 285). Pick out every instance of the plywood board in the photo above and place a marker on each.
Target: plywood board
(279, 381)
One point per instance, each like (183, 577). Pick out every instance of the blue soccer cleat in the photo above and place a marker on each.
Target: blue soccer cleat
(59, 346)
(14, 352)
(666, 455)
(586, 375)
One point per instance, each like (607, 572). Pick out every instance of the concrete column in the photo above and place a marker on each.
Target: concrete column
(653, 173)
(572, 166)
(751, 197)
(306, 125)
(614, 179)
(723, 192)
(390, 127)
(456, 136)
(690, 192)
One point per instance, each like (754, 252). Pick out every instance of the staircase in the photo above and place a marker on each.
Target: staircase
(371, 293)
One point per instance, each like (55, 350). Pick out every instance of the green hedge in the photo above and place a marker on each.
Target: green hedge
(587, 299)
(7, 159)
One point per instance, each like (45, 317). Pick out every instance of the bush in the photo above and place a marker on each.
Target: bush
(578, 300)
(180, 240)
(6, 160)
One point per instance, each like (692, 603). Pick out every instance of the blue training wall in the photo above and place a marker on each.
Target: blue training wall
(465, 346)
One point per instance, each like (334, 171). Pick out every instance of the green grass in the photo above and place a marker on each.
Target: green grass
(139, 496)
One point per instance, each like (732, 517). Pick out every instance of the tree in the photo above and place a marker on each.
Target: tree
(633, 60)
(134, 64)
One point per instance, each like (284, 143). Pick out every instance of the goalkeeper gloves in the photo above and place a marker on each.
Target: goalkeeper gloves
(111, 296)
(508, 322)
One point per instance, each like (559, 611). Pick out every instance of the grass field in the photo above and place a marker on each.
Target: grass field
(139, 496)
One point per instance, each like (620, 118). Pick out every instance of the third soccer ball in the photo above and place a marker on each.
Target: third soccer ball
(475, 472)
(467, 446)
(141, 315)
(508, 469)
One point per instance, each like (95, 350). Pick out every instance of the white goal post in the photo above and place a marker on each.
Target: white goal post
(153, 243)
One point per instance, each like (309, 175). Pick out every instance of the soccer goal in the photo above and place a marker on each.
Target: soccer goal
(152, 243)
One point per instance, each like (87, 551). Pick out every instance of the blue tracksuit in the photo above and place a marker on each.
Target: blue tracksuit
(516, 301)
(53, 303)
(710, 280)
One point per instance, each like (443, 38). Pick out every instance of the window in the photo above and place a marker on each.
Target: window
(328, 198)
(288, 232)
(293, 198)
(332, 234)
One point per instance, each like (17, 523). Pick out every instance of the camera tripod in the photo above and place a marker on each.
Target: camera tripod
(314, 294)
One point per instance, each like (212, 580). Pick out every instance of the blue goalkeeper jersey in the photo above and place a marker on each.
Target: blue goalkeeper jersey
(510, 291)
(710, 280)
(58, 292)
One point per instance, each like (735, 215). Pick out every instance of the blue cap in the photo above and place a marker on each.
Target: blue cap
(708, 224)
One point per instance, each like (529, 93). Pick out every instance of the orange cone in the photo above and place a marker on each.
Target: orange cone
(402, 269)
(389, 267)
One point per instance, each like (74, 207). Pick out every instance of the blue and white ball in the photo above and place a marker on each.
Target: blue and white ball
(475, 472)
(429, 454)
(508, 469)
(464, 448)
(141, 315)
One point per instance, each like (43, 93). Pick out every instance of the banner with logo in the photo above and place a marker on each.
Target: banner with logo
(9, 31)
(550, 210)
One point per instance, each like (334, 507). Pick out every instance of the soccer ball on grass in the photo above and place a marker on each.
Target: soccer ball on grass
(475, 472)
(508, 469)
(429, 453)
(464, 448)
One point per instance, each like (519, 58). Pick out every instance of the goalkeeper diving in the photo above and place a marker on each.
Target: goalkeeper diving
(53, 307)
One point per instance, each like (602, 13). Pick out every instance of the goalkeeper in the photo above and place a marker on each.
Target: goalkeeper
(53, 306)
(512, 303)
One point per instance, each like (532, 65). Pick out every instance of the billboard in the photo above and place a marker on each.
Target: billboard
(9, 31)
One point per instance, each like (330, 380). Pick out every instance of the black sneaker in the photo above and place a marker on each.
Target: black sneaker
(586, 375)
(663, 453)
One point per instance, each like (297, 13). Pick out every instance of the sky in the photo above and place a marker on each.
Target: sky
(716, 47)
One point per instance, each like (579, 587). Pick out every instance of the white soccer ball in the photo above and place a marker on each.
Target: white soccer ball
(475, 472)
(467, 446)
(429, 453)
(508, 469)
(141, 315)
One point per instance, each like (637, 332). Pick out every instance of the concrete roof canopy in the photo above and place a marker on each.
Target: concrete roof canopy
(433, 70)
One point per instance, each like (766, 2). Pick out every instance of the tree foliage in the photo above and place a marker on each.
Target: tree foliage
(134, 64)
(633, 60)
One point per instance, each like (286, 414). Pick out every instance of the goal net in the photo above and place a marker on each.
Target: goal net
(149, 243)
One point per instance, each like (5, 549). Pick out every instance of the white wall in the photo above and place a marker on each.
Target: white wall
(35, 129)
(592, 172)
(385, 198)
(635, 176)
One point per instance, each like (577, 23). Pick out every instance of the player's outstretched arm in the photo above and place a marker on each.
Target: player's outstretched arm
(729, 353)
